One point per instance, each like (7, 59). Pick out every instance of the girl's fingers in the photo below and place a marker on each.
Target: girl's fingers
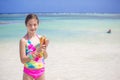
(47, 42)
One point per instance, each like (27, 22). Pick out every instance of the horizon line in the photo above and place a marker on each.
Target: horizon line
(63, 12)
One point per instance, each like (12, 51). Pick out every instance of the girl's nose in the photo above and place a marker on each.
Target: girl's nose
(32, 26)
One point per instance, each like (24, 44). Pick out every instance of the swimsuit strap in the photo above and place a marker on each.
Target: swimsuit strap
(37, 36)
(29, 41)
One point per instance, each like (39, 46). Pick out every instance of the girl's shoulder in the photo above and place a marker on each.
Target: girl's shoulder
(23, 40)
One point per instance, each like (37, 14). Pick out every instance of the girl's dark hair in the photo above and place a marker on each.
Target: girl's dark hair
(31, 16)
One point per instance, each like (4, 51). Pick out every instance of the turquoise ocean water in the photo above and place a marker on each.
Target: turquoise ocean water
(63, 27)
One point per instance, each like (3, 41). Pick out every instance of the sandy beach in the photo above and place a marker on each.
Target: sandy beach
(66, 61)
(83, 62)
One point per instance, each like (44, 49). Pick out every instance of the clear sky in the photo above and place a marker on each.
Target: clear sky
(84, 6)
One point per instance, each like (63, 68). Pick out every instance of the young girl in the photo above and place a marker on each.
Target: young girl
(32, 52)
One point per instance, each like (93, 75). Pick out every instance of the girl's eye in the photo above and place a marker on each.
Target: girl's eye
(35, 24)
(30, 24)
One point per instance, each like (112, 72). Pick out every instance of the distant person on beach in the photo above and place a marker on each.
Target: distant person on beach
(32, 49)
(109, 31)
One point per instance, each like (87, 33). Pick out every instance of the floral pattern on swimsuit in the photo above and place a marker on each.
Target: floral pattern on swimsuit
(36, 63)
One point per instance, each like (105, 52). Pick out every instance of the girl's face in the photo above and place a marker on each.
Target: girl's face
(32, 25)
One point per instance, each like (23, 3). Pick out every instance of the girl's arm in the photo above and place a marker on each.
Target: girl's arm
(23, 56)
(45, 54)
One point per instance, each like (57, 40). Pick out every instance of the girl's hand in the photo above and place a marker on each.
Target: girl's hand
(44, 46)
(46, 42)
(38, 50)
